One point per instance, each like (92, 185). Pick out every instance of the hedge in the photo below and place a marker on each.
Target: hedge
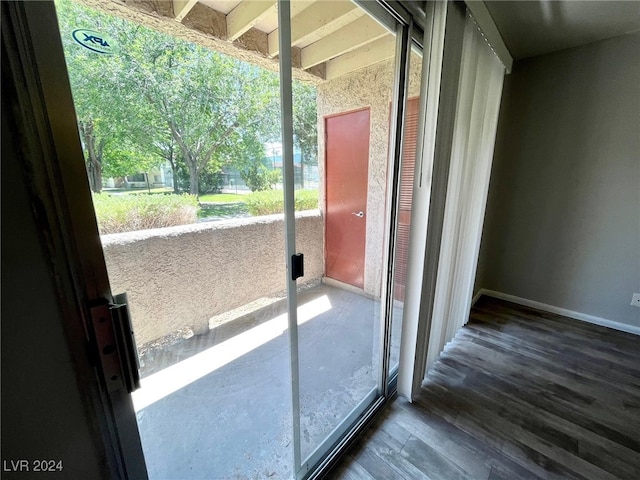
(269, 202)
(126, 213)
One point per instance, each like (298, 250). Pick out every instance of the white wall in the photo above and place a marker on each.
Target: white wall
(563, 217)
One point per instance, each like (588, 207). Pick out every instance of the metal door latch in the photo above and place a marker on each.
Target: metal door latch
(116, 344)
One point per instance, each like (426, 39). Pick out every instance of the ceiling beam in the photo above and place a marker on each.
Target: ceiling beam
(350, 37)
(369, 54)
(246, 15)
(182, 7)
(314, 20)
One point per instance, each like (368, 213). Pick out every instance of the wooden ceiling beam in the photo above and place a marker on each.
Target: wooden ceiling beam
(369, 54)
(246, 15)
(182, 7)
(354, 35)
(314, 20)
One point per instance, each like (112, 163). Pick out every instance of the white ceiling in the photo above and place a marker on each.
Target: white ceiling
(536, 27)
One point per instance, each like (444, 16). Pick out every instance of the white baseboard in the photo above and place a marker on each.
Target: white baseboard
(623, 327)
(478, 295)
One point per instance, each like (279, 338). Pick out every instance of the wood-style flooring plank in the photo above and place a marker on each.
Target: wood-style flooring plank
(518, 394)
(576, 393)
(488, 455)
(549, 351)
(571, 394)
(552, 428)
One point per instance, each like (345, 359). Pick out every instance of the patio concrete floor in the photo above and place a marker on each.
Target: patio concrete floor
(218, 406)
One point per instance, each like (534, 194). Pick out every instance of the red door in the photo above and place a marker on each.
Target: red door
(346, 168)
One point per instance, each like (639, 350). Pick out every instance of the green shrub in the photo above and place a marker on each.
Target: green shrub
(272, 201)
(127, 213)
(306, 199)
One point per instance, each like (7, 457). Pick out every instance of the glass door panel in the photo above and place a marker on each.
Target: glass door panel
(339, 303)
(405, 201)
(181, 146)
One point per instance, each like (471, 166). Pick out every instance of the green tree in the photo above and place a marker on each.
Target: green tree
(211, 104)
(158, 98)
(249, 160)
(305, 121)
(110, 119)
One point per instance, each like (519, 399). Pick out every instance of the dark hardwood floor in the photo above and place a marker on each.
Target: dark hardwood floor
(518, 394)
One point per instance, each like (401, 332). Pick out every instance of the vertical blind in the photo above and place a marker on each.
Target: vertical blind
(478, 104)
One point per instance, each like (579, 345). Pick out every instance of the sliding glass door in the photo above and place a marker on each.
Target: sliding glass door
(261, 194)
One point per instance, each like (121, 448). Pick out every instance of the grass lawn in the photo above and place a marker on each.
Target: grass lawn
(137, 191)
(222, 198)
(209, 210)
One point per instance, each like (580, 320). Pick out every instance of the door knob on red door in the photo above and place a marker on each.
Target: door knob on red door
(359, 214)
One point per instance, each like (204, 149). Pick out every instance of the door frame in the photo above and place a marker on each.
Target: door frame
(58, 181)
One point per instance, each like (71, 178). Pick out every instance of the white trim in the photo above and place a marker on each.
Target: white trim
(286, 119)
(603, 322)
(489, 30)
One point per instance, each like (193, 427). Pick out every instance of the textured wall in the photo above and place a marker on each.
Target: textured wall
(182, 276)
(370, 87)
(563, 224)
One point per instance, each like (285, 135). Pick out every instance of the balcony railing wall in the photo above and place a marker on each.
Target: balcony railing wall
(180, 277)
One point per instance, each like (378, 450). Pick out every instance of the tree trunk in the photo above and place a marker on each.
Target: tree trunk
(94, 163)
(193, 180)
(95, 180)
(174, 175)
(172, 162)
(190, 162)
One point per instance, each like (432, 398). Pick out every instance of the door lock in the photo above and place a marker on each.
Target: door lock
(360, 214)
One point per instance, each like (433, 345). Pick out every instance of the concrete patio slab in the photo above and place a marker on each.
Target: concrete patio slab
(218, 406)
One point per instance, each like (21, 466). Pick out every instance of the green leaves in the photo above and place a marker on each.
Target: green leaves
(161, 99)
(305, 121)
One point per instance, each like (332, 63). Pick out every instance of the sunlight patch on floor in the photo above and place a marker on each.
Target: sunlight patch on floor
(177, 376)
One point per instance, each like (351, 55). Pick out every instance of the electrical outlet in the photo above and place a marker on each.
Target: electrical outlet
(635, 300)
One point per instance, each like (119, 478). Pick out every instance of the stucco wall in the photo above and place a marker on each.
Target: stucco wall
(181, 276)
(370, 87)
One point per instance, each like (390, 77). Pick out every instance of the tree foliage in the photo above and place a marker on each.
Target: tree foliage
(160, 99)
(305, 122)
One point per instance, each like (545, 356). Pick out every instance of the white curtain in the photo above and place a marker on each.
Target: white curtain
(479, 94)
